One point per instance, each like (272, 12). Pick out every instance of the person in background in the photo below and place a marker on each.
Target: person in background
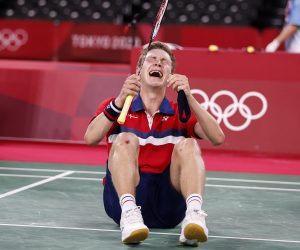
(155, 175)
(290, 34)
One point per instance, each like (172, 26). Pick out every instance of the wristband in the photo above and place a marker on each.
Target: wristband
(111, 111)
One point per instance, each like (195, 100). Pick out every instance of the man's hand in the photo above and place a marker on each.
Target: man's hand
(131, 86)
(273, 46)
(179, 82)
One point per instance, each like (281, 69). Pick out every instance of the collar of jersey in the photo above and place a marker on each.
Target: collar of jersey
(165, 106)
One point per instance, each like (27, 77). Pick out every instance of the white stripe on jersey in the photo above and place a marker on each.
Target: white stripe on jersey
(152, 140)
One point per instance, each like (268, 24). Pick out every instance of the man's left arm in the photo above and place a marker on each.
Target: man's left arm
(207, 127)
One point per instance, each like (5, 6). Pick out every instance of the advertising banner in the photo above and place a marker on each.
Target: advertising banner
(253, 96)
(27, 39)
(104, 42)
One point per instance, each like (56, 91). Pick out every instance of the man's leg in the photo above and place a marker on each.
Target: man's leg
(187, 173)
(187, 168)
(123, 166)
(123, 163)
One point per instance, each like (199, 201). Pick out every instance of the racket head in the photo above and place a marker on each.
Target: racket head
(159, 16)
(156, 26)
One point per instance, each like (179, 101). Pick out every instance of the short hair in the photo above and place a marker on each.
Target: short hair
(157, 45)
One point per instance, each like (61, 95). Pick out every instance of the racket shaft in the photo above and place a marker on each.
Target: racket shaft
(125, 109)
(161, 11)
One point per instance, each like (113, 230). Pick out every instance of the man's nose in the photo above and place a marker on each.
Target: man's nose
(158, 62)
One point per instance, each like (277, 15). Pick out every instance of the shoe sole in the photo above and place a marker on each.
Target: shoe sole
(195, 232)
(137, 236)
(190, 243)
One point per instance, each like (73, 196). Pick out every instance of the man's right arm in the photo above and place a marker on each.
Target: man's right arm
(97, 129)
(100, 125)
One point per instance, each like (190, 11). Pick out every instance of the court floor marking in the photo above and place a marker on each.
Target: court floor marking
(47, 176)
(36, 184)
(207, 185)
(157, 233)
(253, 181)
(103, 173)
(254, 188)
(51, 170)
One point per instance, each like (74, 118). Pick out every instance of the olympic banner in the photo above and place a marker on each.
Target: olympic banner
(103, 42)
(254, 97)
(27, 39)
(95, 42)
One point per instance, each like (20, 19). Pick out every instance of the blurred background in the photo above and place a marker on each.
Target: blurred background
(71, 29)
(255, 13)
(60, 58)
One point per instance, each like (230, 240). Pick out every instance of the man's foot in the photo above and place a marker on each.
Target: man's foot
(193, 228)
(132, 226)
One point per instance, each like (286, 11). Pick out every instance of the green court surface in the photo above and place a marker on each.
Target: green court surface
(59, 206)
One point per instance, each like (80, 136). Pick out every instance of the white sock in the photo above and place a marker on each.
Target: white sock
(127, 202)
(194, 201)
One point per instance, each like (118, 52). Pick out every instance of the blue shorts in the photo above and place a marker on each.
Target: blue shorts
(161, 205)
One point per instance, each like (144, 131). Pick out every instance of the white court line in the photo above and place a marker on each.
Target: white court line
(254, 188)
(47, 176)
(157, 233)
(35, 184)
(103, 173)
(208, 178)
(51, 170)
(207, 185)
(254, 181)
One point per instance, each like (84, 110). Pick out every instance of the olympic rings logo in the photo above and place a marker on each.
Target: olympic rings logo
(12, 40)
(233, 108)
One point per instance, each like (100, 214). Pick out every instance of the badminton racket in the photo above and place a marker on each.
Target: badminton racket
(155, 29)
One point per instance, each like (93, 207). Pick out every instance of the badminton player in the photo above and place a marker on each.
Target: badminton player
(155, 174)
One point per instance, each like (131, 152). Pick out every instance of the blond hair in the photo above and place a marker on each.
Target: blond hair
(157, 45)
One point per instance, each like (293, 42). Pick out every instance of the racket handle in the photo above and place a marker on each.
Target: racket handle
(183, 107)
(122, 116)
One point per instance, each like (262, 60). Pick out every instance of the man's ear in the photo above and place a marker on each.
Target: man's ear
(137, 70)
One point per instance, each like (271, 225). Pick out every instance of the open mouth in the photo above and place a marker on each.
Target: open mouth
(156, 73)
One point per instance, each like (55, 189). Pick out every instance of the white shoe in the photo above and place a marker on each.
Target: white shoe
(193, 228)
(132, 226)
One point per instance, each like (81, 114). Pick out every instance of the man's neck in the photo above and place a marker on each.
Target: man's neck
(152, 100)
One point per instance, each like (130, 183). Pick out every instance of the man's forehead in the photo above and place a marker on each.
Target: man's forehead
(158, 52)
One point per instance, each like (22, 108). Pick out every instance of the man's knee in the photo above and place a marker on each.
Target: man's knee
(125, 141)
(187, 146)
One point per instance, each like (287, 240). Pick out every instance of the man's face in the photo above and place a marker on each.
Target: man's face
(156, 68)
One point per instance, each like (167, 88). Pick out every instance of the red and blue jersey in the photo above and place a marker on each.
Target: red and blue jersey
(157, 135)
